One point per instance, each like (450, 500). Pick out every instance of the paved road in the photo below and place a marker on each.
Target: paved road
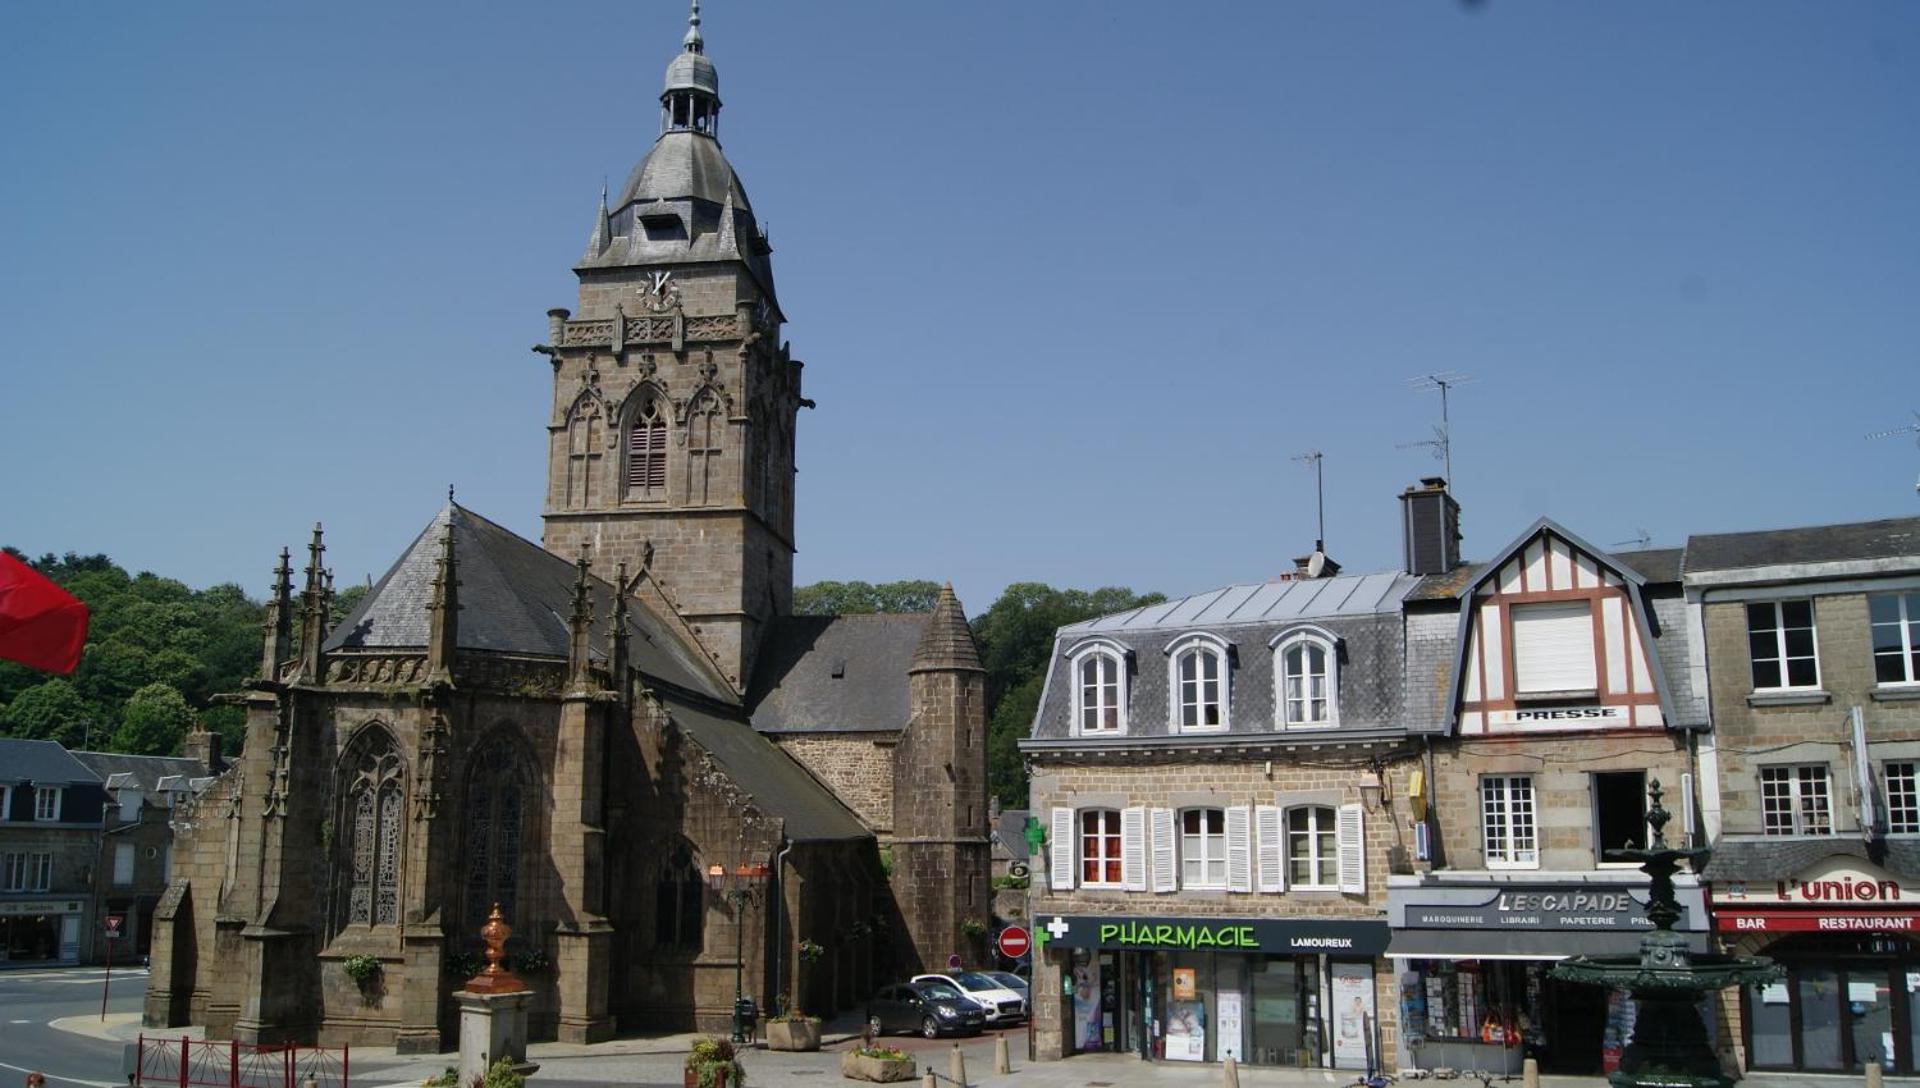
(30, 998)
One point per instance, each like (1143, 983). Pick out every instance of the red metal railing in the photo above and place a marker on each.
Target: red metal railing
(164, 1062)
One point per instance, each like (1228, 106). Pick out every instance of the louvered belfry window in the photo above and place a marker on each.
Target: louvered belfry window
(647, 453)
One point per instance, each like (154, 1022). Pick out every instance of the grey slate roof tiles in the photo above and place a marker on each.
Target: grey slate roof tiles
(41, 762)
(795, 688)
(780, 786)
(515, 597)
(1885, 539)
(142, 772)
(1779, 858)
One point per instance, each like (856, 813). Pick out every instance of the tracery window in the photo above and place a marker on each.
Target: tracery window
(647, 452)
(679, 904)
(375, 779)
(495, 809)
(704, 432)
(584, 441)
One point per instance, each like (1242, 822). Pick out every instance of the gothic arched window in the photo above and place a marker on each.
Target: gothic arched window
(704, 432)
(584, 441)
(647, 452)
(679, 904)
(496, 804)
(371, 810)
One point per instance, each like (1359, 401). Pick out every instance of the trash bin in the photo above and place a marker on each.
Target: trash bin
(745, 1014)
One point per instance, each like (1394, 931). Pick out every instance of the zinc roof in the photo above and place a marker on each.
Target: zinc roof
(1262, 602)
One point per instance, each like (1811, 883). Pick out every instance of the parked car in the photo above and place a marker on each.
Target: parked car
(1003, 1006)
(932, 1007)
(1013, 982)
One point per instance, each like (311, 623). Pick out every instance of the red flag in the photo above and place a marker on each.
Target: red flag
(41, 625)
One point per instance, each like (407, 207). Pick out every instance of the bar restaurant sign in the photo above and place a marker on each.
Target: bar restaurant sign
(1294, 936)
(1835, 895)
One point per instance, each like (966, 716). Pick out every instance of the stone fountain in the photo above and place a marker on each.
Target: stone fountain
(1667, 978)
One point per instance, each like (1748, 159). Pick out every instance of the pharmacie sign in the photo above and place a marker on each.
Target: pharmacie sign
(1578, 906)
(1298, 936)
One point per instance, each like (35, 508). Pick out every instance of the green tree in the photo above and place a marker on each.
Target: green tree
(50, 710)
(154, 720)
(1016, 644)
(848, 598)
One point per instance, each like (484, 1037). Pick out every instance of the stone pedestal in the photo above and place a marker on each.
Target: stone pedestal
(492, 1026)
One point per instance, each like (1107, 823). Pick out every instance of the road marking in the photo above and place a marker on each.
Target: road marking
(19, 1021)
(61, 1079)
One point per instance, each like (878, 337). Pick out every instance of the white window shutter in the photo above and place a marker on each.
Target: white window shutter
(1553, 647)
(1687, 816)
(1271, 844)
(1239, 850)
(1133, 849)
(1061, 851)
(1163, 831)
(1353, 849)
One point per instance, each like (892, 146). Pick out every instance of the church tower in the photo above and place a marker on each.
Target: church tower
(674, 402)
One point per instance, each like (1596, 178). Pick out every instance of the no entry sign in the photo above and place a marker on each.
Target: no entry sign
(1014, 942)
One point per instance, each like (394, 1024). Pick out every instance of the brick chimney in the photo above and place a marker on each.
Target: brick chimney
(1430, 527)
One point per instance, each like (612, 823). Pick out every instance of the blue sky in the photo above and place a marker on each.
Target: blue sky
(1074, 281)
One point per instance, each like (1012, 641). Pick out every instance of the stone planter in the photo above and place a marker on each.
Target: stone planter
(793, 1035)
(878, 1070)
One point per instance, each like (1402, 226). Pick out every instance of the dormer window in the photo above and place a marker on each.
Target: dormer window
(1199, 683)
(1099, 690)
(1306, 671)
(663, 228)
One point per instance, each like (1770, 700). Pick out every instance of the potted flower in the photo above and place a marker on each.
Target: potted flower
(363, 969)
(793, 1030)
(711, 1064)
(878, 1064)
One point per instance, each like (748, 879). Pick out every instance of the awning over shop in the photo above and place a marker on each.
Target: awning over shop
(1517, 944)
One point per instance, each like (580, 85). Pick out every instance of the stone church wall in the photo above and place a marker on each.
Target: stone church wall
(857, 767)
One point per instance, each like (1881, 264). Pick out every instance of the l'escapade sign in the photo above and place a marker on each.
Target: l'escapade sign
(1213, 934)
(1574, 907)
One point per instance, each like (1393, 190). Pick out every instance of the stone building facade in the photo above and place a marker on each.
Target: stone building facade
(1812, 662)
(620, 735)
(51, 812)
(1214, 777)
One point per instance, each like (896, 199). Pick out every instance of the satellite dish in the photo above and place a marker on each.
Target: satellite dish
(1316, 563)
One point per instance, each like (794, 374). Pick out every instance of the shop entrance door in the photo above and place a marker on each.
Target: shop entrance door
(1838, 1013)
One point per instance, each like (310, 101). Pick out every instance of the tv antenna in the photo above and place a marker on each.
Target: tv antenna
(1442, 441)
(1895, 432)
(1313, 459)
(1641, 539)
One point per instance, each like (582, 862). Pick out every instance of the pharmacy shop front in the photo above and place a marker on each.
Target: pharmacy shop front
(1263, 991)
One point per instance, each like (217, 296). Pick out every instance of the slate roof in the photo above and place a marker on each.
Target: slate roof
(795, 690)
(515, 597)
(1780, 858)
(1261, 602)
(143, 772)
(1654, 564)
(41, 762)
(1010, 831)
(780, 786)
(1885, 539)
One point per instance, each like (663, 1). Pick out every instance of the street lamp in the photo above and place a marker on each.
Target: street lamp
(738, 888)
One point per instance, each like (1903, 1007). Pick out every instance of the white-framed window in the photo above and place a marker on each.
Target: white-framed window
(1203, 848)
(1198, 683)
(1306, 668)
(1553, 648)
(13, 872)
(1313, 857)
(1099, 690)
(1100, 847)
(46, 802)
(1796, 800)
(123, 863)
(1507, 829)
(1780, 642)
(40, 873)
(1894, 620)
(1903, 798)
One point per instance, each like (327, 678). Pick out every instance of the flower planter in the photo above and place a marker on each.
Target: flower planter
(878, 1070)
(793, 1035)
(721, 1076)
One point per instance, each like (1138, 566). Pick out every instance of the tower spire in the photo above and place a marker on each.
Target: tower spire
(693, 42)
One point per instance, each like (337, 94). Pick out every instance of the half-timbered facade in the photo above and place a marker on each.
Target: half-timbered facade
(1556, 714)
